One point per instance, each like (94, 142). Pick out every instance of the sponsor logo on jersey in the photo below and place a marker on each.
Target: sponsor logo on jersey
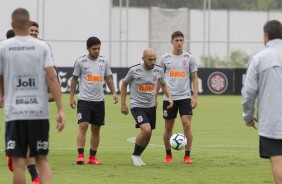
(177, 74)
(25, 82)
(138, 70)
(94, 78)
(146, 88)
(29, 112)
(42, 145)
(21, 48)
(26, 100)
(186, 55)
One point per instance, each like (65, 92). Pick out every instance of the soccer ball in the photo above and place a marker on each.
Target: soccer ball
(178, 141)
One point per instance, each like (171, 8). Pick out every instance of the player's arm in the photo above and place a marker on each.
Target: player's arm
(72, 91)
(157, 93)
(54, 87)
(194, 100)
(1, 91)
(167, 94)
(110, 84)
(124, 108)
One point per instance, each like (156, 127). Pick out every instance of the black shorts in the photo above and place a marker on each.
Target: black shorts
(24, 133)
(91, 112)
(270, 147)
(183, 106)
(144, 115)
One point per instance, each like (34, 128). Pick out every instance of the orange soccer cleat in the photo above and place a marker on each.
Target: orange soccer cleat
(80, 159)
(93, 160)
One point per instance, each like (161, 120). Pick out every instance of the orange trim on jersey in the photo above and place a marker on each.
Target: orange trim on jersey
(146, 88)
(177, 74)
(94, 78)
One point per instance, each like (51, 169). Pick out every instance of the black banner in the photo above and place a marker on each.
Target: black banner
(211, 81)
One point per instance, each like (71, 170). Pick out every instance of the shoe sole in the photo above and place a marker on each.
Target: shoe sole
(79, 162)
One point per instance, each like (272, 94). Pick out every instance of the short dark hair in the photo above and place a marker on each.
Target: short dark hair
(176, 34)
(92, 41)
(32, 23)
(273, 29)
(10, 33)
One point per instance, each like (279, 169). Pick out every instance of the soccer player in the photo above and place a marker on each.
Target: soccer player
(143, 78)
(92, 70)
(34, 29)
(179, 66)
(30, 161)
(263, 82)
(25, 65)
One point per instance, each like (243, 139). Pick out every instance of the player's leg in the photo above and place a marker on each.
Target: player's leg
(19, 167)
(94, 143)
(39, 147)
(83, 116)
(31, 166)
(97, 119)
(276, 163)
(186, 113)
(186, 123)
(45, 175)
(169, 115)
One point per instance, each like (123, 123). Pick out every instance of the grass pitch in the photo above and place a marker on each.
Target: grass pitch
(224, 150)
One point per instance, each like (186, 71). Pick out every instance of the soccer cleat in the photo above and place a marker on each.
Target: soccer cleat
(187, 160)
(93, 160)
(10, 163)
(80, 159)
(168, 159)
(135, 160)
(35, 181)
(141, 161)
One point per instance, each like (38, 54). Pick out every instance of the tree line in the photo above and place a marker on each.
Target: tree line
(257, 5)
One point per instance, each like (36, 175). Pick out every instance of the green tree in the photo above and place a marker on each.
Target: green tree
(238, 59)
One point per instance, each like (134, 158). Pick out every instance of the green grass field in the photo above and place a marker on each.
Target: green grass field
(224, 150)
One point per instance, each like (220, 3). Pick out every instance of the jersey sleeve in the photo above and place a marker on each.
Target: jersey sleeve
(1, 62)
(161, 62)
(193, 65)
(108, 70)
(76, 70)
(48, 59)
(128, 77)
(161, 77)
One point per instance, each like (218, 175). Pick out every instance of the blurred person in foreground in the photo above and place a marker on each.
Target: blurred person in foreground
(25, 65)
(92, 70)
(263, 83)
(143, 79)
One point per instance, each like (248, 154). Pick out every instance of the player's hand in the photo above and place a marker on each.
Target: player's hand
(124, 109)
(72, 103)
(252, 123)
(170, 103)
(194, 102)
(60, 121)
(115, 97)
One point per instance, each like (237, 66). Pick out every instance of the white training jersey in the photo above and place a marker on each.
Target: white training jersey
(178, 69)
(22, 63)
(143, 85)
(91, 75)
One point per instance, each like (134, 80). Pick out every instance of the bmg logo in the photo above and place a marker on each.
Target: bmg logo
(25, 82)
